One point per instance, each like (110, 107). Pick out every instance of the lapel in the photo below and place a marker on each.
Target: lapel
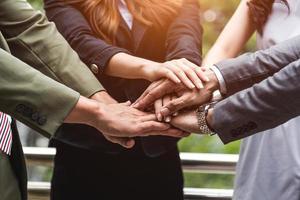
(138, 33)
(124, 28)
(3, 43)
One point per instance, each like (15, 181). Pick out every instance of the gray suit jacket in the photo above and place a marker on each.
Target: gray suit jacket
(275, 100)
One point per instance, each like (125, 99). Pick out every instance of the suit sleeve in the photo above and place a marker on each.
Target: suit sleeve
(77, 31)
(33, 98)
(244, 71)
(184, 37)
(37, 42)
(263, 106)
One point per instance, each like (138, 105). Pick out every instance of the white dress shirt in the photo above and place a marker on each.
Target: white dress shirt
(126, 15)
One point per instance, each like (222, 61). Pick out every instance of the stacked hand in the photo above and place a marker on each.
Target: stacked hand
(169, 98)
(183, 85)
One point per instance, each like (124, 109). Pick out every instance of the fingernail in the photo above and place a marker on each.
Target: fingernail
(206, 79)
(165, 112)
(175, 114)
(130, 143)
(136, 105)
(200, 85)
(168, 119)
(159, 117)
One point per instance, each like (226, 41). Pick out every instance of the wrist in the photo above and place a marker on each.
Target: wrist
(86, 111)
(146, 70)
(213, 83)
(103, 97)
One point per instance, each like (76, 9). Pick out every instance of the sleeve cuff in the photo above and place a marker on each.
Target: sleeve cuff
(104, 57)
(220, 78)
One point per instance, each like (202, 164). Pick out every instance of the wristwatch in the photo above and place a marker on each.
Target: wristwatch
(201, 113)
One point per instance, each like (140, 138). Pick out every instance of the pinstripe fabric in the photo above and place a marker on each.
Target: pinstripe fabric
(5, 133)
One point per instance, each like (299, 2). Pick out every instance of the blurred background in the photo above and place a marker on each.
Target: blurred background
(214, 15)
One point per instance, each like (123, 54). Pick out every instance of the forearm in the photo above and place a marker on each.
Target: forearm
(127, 66)
(71, 23)
(233, 37)
(250, 68)
(31, 97)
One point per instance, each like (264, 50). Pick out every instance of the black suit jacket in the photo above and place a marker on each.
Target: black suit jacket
(179, 39)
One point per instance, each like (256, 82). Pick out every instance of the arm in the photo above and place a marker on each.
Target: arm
(110, 60)
(233, 37)
(37, 42)
(248, 69)
(44, 104)
(239, 73)
(184, 37)
(25, 94)
(264, 106)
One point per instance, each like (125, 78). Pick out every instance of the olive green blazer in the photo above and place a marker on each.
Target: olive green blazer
(30, 48)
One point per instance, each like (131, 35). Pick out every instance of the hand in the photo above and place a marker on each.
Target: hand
(186, 98)
(118, 120)
(186, 121)
(158, 105)
(104, 97)
(156, 91)
(121, 120)
(178, 71)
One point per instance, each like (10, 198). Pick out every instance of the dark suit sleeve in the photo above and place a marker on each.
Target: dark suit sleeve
(263, 106)
(184, 38)
(75, 28)
(248, 69)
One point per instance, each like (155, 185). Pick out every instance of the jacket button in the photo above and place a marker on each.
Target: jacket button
(42, 120)
(20, 108)
(27, 112)
(35, 116)
(94, 68)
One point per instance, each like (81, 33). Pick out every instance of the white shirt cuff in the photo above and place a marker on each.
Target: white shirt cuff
(220, 78)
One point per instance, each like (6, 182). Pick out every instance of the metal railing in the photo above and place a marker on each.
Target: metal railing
(191, 162)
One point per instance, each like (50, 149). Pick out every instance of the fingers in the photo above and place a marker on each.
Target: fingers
(149, 98)
(151, 127)
(201, 74)
(199, 70)
(172, 132)
(170, 75)
(158, 104)
(146, 92)
(124, 142)
(148, 117)
(175, 105)
(190, 70)
(127, 103)
(166, 101)
(173, 97)
(180, 73)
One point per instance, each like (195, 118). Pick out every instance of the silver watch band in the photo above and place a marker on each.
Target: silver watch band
(201, 113)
